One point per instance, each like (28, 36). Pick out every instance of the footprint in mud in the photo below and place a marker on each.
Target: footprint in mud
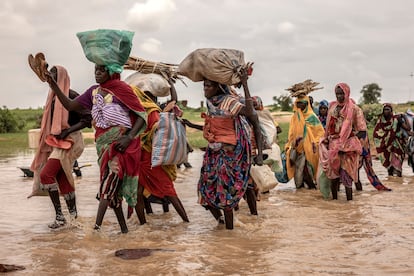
(137, 253)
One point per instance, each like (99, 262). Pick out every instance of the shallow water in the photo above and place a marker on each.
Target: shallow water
(296, 232)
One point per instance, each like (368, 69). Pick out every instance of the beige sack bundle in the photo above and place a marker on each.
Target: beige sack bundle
(154, 83)
(267, 125)
(219, 65)
(167, 70)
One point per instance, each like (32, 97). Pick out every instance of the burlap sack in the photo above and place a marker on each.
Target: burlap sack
(154, 83)
(219, 65)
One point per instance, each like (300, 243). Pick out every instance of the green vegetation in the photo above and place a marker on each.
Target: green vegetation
(12, 120)
(283, 102)
(371, 94)
(283, 136)
(13, 142)
(30, 117)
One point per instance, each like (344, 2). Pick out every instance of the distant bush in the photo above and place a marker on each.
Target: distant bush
(284, 102)
(371, 113)
(10, 122)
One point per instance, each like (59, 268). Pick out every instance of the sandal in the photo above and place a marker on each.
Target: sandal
(38, 65)
(57, 224)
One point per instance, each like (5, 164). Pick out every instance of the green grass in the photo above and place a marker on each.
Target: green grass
(193, 115)
(11, 143)
(14, 143)
(283, 136)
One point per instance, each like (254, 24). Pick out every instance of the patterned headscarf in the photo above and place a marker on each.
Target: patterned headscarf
(324, 103)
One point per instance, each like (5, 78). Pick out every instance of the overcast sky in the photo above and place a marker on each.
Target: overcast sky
(330, 41)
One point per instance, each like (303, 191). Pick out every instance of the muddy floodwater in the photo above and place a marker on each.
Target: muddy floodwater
(295, 233)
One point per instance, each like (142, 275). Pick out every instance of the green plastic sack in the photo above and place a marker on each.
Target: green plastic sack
(107, 47)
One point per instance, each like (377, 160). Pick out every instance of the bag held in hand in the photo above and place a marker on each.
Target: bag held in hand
(169, 144)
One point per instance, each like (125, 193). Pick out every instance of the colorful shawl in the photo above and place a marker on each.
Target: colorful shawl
(225, 173)
(105, 138)
(389, 141)
(366, 160)
(344, 147)
(304, 124)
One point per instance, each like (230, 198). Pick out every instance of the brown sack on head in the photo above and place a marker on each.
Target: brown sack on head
(219, 65)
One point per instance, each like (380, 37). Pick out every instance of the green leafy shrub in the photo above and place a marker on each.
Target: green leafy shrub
(371, 113)
(9, 122)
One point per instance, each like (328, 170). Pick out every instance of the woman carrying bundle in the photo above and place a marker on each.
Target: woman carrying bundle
(305, 131)
(118, 118)
(226, 164)
(157, 181)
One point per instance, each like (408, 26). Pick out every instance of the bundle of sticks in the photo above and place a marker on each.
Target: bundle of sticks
(303, 88)
(167, 70)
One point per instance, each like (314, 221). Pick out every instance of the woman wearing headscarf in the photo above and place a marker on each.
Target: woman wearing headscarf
(305, 131)
(60, 144)
(323, 112)
(118, 119)
(389, 140)
(345, 125)
(157, 181)
(226, 164)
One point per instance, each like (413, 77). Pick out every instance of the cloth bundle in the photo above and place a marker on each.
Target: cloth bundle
(267, 126)
(154, 83)
(219, 65)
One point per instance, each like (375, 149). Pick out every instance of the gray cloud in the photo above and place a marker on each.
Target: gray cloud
(357, 42)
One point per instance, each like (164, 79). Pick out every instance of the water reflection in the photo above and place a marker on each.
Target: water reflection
(296, 232)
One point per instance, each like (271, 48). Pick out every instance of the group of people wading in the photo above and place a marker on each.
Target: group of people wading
(125, 119)
(331, 144)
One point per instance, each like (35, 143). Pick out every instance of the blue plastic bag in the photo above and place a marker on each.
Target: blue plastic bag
(282, 176)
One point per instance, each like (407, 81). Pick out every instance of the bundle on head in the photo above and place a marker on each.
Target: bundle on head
(167, 70)
(303, 88)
